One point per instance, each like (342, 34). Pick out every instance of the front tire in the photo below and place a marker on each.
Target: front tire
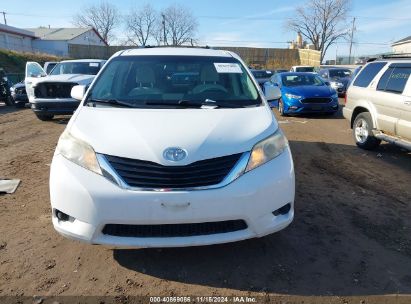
(9, 101)
(44, 117)
(362, 132)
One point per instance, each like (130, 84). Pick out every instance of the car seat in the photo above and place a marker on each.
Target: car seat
(145, 81)
(209, 80)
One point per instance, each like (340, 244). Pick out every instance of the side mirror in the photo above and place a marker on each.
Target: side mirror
(271, 91)
(78, 92)
(327, 83)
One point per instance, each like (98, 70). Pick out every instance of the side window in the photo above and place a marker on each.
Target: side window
(277, 80)
(368, 73)
(382, 84)
(34, 70)
(398, 79)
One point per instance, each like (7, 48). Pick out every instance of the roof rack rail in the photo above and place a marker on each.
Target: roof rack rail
(396, 56)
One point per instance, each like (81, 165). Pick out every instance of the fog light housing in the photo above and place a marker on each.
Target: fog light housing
(283, 210)
(61, 216)
(293, 108)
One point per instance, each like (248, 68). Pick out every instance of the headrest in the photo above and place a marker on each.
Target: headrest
(209, 74)
(145, 74)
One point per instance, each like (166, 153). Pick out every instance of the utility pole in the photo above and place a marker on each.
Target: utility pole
(164, 28)
(351, 39)
(4, 17)
(336, 55)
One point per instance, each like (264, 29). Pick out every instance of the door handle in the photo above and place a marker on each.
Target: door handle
(408, 103)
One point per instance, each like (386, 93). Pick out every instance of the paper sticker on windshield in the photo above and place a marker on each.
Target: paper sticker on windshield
(228, 68)
(93, 64)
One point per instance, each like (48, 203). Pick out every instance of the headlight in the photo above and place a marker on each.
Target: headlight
(292, 96)
(267, 149)
(78, 151)
(334, 95)
(336, 84)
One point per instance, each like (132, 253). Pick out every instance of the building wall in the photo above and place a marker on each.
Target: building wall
(15, 42)
(402, 48)
(88, 38)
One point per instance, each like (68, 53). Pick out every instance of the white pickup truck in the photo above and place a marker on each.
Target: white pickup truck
(302, 68)
(49, 95)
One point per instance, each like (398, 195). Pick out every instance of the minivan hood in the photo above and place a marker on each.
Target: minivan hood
(145, 133)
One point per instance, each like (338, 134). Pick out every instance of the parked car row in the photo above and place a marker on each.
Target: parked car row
(18, 89)
(50, 94)
(168, 141)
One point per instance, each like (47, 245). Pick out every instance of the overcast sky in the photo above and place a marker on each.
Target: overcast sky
(239, 22)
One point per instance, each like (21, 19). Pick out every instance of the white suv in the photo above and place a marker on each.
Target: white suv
(172, 147)
(378, 103)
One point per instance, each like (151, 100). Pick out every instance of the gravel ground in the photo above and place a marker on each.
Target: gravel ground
(350, 240)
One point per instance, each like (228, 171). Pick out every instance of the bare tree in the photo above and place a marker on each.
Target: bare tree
(104, 17)
(321, 22)
(141, 24)
(179, 25)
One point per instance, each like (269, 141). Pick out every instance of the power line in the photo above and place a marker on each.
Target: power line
(223, 17)
(380, 18)
(42, 16)
(277, 42)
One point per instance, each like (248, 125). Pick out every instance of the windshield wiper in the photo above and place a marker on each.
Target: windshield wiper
(205, 104)
(112, 102)
(209, 103)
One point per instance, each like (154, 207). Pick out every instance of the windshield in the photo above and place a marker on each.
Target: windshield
(340, 73)
(301, 80)
(304, 69)
(85, 68)
(143, 81)
(50, 67)
(262, 74)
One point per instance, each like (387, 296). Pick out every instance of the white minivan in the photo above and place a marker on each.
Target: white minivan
(172, 147)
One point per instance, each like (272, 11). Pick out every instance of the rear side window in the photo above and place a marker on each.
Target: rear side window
(368, 73)
(395, 79)
(382, 84)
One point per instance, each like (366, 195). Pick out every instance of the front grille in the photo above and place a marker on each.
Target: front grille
(174, 230)
(146, 174)
(317, 100)
(54, 89)
(21, 91)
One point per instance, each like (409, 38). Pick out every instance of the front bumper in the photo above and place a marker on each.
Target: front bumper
(296, 107)
(347, 113)
(92, 201)
(19, 98)
(56, 106)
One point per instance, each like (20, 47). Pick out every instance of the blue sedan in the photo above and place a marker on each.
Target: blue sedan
(304, 93)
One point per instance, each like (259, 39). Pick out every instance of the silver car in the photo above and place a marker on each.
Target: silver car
(378, 103)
